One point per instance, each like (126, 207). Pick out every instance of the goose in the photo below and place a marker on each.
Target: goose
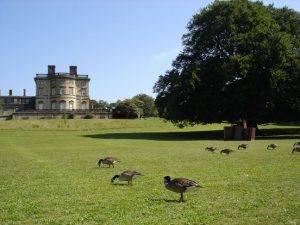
(127, 175)
(108, 161)
(296, 143)
(211, 149)
(243, 146)
(296, 149)
(226, 151)
(272, 146)
(179, 185)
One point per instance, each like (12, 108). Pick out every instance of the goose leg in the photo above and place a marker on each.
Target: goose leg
(181, 197)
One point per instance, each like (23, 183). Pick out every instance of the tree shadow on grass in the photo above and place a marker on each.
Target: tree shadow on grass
(163, 136)
(278, 133)
(262, 134)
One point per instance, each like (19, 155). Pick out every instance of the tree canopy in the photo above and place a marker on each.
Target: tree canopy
(140, 105)
(148, 105)
(240, 61)
(101, 104)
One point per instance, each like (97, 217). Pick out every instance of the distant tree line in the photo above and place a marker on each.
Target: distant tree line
(140, 106)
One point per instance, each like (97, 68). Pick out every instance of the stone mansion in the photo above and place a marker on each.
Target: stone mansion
(62, 91)
(57, 94)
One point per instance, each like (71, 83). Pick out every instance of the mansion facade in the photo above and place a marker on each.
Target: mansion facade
(62, 91)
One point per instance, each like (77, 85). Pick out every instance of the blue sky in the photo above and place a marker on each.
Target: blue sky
(123, 45)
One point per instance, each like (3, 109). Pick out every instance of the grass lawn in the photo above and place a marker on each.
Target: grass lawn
(49, 174)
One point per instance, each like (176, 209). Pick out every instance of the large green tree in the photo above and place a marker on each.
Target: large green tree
(240, 61)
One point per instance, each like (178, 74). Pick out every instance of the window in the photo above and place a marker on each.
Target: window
(83, 83)
(62, 82)
(40, 105)
(83, 106)
(52, 82)
(53, 105)
(83, 92)
(71, 91)
(62, 91)
(72, 82)
(62, 105)
(53, 91)
(41, 83)
(41, 92)
(71, 105)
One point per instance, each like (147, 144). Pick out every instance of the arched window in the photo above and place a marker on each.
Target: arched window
(83, 106)
(71, 105)
(40, 105)
(62, 105)
(53, 105)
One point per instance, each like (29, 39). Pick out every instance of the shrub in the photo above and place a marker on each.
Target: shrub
(9, 117)
(89, 116)
(71, 116)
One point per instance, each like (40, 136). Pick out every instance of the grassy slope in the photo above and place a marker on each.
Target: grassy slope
(49, 175)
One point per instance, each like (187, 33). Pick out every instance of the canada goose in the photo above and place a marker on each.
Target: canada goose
(272, 146)
(243, 146)
(296, 143)
(226, 151)
(211, 149)
(179, 185)
(108, 161)
(127, 175)
(296, 149)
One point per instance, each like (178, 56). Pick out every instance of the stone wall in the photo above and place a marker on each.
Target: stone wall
(60, 115)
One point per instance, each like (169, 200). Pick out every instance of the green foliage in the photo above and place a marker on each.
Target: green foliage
(89, 116)
(148, 106)
(241, 60)
(128, 109)
(1, 102)
(101, 104)
(9, 117)
(52, 177)
(141, 105)
(71, 116)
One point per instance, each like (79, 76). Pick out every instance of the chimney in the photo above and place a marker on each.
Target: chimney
(51, 69)
(73, 70)
(10, 92)
(24, 92)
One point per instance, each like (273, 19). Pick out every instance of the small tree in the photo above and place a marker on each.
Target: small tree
(148, 106)
(101, 104)
(127, 109)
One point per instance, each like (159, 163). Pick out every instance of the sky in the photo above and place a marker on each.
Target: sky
(123, 45)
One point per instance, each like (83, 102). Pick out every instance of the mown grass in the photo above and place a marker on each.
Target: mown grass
(49, 174)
